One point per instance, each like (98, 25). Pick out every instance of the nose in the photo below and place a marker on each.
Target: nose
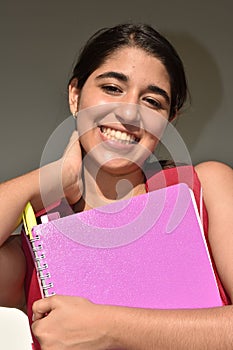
(128, 113)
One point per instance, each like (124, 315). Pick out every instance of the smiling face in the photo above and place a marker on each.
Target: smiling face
(132, 93)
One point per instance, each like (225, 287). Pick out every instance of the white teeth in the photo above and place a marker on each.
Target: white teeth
(117, 135)
(123, 136)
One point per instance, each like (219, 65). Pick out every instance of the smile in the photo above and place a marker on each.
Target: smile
(119, 136)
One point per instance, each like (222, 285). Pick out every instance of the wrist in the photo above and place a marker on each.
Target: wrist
(47, 185)
(70, 181)
(112, 326)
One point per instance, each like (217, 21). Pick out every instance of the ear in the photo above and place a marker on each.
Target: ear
(73, 96)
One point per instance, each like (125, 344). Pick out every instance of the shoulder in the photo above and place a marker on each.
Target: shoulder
(214, 175)
(213, 166)
(217, 182)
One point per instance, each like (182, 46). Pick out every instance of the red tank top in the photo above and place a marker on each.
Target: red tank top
(163, 178)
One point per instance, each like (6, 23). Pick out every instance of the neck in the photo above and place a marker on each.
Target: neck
(102, 187)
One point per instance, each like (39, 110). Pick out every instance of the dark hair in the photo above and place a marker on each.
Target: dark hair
(105, 41)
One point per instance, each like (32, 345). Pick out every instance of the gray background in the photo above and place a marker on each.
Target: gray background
(40, 41)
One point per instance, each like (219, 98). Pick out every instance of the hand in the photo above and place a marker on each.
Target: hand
(71, 164)
(72, 323)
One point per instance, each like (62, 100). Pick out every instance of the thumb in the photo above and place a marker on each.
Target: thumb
(73, 149)
(41, 308)
(72, 141)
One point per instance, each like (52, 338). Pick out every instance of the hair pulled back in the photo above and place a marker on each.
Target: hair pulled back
(108, 40)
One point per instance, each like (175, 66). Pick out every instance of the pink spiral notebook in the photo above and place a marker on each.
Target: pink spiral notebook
(148, 251)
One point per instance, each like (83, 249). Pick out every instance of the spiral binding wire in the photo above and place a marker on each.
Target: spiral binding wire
(41, 266)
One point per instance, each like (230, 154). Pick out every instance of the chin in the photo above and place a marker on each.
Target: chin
(120, 167)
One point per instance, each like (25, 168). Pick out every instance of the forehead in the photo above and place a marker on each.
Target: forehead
(138, 65)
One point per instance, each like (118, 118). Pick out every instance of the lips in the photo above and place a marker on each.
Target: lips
(119, 136)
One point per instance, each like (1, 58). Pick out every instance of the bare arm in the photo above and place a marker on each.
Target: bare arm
(217, 182)
(76, 321)
(57, 179)
(53, 181)
(14, 196)
(108, 327)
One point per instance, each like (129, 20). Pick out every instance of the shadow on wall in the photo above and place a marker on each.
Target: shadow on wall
(205, 87)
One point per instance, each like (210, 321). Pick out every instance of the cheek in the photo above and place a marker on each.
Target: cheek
(85, 144)
(87, 139)
(90, 97)
(155, 125)
(151, 142)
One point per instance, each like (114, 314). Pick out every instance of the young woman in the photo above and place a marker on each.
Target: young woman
(135, 68)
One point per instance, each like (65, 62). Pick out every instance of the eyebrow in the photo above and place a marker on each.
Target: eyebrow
(116, 75)
(158, 90)
(124, 78)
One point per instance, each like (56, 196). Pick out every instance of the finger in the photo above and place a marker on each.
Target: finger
(74, 136)
(72, 142)
(42, 307)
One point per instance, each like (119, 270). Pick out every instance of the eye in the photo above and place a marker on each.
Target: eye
(111, 89)
(152, 102)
